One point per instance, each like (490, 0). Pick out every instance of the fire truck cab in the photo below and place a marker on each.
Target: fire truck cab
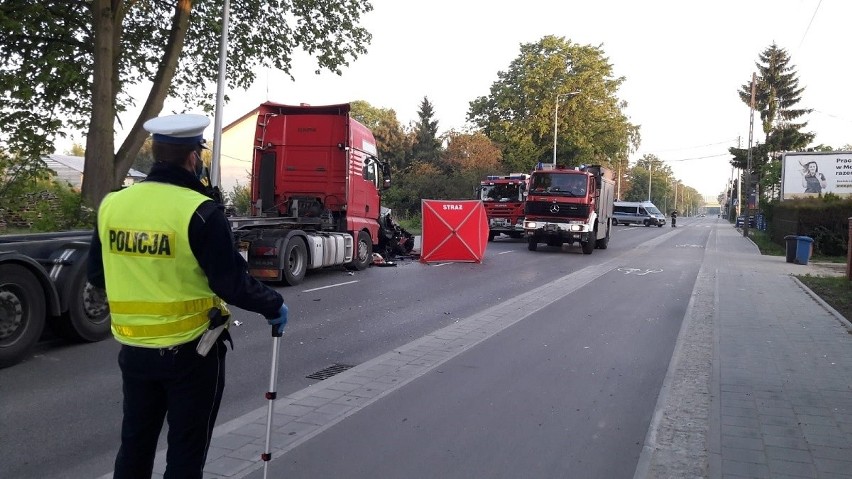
(503, 198)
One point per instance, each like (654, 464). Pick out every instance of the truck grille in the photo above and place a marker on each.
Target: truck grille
(543, 209)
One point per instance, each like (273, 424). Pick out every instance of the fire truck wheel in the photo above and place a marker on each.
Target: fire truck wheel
(363, 252)
(589, 246)
(532, 244)
(296, 257)
(22, 313)
(491, 236)
(87, 318)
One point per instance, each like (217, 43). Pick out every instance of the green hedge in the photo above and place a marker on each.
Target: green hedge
(824, 219)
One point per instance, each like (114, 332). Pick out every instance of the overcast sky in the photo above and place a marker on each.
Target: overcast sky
(683, 62)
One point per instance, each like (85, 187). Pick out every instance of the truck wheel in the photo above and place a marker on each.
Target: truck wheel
(532, 243)
(603, 243)
(491, 236)
(646, 223)
(614, 222)
(296, 257)
(363, 252)
(87, 318)
(22, 313)
(659, 225)
(588, 247)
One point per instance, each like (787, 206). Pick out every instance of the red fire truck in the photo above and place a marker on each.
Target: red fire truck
(569, 205)
(503, 197)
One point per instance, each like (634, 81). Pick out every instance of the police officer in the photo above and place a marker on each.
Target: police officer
(165, 254)
(674, 218)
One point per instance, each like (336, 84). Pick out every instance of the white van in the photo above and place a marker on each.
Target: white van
(637, 212)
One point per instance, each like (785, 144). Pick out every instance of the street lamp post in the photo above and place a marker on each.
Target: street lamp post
(556, 120)
(650, 166)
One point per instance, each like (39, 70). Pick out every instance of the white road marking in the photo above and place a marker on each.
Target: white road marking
(329, 286)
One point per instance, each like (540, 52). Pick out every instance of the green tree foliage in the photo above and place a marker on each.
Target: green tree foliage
(523, 104)
(467, 159)
(420, 180)
(427, 145)
(70, 64)
(46, 205)
(661, 179)
(16, 173)
(145, 158)
(240, 199)
(76, 150)
(777, 94)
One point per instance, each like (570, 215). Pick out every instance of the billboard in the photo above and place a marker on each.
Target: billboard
(809, 174)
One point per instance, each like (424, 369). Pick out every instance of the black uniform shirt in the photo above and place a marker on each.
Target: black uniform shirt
(212, 244)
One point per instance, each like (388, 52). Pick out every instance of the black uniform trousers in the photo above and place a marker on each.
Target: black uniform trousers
(177, 384)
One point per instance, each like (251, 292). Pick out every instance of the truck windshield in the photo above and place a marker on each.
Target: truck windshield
(559, 184)
(500, 192)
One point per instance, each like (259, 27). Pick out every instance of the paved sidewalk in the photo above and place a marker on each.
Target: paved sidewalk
(760, 385)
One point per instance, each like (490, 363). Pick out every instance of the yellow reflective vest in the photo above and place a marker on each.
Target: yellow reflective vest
(158, 294)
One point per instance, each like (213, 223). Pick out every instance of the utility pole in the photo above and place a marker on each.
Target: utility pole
(650, 166)
(748, 162)
(556, 120)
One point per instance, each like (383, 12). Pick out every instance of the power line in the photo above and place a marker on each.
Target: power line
(700, 157)
(809, 24)
(833, 116)
(694, 147)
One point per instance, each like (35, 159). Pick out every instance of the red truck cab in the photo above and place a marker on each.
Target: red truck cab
(503, 198)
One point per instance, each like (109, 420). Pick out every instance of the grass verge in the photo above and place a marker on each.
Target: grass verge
(834, 290)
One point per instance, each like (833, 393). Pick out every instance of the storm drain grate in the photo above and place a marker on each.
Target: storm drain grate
(329, 371)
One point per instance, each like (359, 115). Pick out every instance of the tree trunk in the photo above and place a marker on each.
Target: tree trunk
(105, 170)
(99, 169)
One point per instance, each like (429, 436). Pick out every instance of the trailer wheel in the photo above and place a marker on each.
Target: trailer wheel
(22, 313)
(296, 255)
(87, 318)
(363, 252)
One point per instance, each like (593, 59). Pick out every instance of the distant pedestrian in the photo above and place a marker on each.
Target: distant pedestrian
(165, 254)
(674, 218)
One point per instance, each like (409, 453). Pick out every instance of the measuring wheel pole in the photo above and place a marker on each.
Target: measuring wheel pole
(270, 396)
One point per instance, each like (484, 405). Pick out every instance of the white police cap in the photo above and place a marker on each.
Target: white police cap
(183, 129)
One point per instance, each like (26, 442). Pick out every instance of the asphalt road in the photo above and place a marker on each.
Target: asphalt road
(588, 367)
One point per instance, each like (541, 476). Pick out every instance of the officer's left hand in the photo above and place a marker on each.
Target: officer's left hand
(279, 321)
